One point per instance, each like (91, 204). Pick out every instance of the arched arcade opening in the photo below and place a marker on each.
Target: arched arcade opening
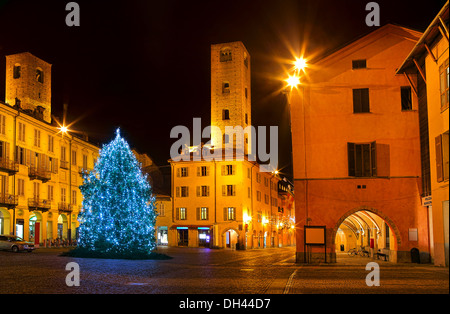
(366, 230)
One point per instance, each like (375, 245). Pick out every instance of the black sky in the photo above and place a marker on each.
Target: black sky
(144, 66)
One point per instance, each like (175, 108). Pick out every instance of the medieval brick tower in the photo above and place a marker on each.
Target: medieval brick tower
(230, 93)
(28, 84)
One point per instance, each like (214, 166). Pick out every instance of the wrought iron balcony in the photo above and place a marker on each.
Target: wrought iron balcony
(8, 200)
(82, 170)
(64, 164)
(39, 173)
(65, 207)
(39, 204)
(8, 165)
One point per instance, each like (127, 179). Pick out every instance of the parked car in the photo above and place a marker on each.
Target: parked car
(15, 244)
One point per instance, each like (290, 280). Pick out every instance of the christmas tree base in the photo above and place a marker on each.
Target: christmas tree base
(84, 253)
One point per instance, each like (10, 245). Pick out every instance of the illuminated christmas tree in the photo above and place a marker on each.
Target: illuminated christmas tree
(119, 213)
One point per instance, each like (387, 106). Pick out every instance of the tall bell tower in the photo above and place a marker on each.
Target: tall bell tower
(28, 84)
(230, 92)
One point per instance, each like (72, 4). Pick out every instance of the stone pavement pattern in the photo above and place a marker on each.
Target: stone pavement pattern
(204, 271)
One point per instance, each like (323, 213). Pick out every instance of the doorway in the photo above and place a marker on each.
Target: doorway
(183, 236)
(35, 228)
(231, 239)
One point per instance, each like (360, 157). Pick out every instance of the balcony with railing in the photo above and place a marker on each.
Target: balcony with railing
(83, 170)
(37, 203)
(8, 165)
(8, 200)
(64, 164)
(39, 173)
(65, 207)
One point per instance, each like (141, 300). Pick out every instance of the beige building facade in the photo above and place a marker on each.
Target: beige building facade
(40, 167)
(228, 202)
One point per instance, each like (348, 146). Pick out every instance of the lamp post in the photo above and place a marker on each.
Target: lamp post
(65, 131)
(293, 82)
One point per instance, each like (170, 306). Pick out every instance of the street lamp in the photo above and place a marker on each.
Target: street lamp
(293, 81)
(65, 131)
(300, 64)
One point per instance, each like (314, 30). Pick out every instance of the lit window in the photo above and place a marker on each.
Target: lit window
(204, 213)
(230, 213)
(182, 213)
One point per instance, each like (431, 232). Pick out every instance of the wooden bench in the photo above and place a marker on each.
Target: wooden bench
(383, 253)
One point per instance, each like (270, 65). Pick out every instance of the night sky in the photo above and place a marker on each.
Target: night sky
(144, 66)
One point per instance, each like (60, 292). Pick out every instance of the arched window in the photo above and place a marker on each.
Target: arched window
(16, 71)
(225, 54)
(225, 87)
(39, 75)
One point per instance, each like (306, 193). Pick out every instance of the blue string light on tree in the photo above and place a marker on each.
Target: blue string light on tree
(119, 212)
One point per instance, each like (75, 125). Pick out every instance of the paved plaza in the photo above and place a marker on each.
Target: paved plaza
(206, 271)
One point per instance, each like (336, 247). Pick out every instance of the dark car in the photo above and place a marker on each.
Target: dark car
(15, 244)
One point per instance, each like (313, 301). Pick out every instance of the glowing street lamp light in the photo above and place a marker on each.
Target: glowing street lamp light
(63, 129)
(293, 81)
(300, 64)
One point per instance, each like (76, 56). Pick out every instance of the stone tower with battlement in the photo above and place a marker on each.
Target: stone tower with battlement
(230, 93)
(28, 84)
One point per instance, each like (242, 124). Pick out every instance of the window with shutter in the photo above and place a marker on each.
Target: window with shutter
(445, 153)
(2, 124)
(362, 159)
(361, 100)
(444, 84)
(182, 213)
(204, 213)
(439, 168)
